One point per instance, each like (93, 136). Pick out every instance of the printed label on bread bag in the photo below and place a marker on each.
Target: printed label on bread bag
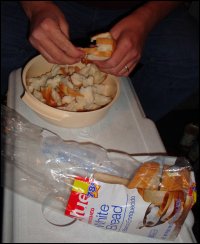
(115, 207)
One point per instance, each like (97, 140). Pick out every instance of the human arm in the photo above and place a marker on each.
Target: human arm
(49, 32)
(131, 33)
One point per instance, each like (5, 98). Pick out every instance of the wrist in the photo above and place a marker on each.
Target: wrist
(153, 12)
(33, 7)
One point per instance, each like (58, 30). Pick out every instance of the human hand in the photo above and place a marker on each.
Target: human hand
(49, 34)
(130, 36)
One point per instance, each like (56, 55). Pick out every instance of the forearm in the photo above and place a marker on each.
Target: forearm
(153, 12)
(31, 7)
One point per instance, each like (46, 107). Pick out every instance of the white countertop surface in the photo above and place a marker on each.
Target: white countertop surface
(124, 128)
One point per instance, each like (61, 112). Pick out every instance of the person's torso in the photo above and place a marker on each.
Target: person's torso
(112, 5)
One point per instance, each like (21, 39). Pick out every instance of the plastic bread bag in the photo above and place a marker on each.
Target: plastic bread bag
(37, 161)
(148, 195)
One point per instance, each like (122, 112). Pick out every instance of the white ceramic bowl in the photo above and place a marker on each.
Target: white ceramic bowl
(38, 66)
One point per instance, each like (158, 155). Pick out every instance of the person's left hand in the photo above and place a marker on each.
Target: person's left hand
(130, 35)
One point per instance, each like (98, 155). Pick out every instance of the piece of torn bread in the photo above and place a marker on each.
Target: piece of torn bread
(103, 48)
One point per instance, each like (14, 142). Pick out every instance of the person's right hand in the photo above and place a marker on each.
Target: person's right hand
(49, 33)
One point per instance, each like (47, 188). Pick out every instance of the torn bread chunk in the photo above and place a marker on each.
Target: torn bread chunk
(103, 48)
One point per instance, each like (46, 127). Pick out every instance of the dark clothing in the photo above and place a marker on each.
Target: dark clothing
(112, 4)
(169, 68)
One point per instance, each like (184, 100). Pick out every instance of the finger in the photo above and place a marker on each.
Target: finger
(122, 71)
(64, 27)
(46, 55)
(113, 65)
(119, 57)
(60, 39)
(127, 69)
(52, 52)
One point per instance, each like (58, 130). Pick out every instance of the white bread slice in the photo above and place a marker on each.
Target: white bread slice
(101, 35)
(153, 176)
(147, 176)
(103, 50)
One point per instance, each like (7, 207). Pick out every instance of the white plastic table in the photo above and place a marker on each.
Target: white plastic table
(124, 128)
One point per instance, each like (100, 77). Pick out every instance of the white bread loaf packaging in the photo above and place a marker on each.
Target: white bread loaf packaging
(154, 203)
